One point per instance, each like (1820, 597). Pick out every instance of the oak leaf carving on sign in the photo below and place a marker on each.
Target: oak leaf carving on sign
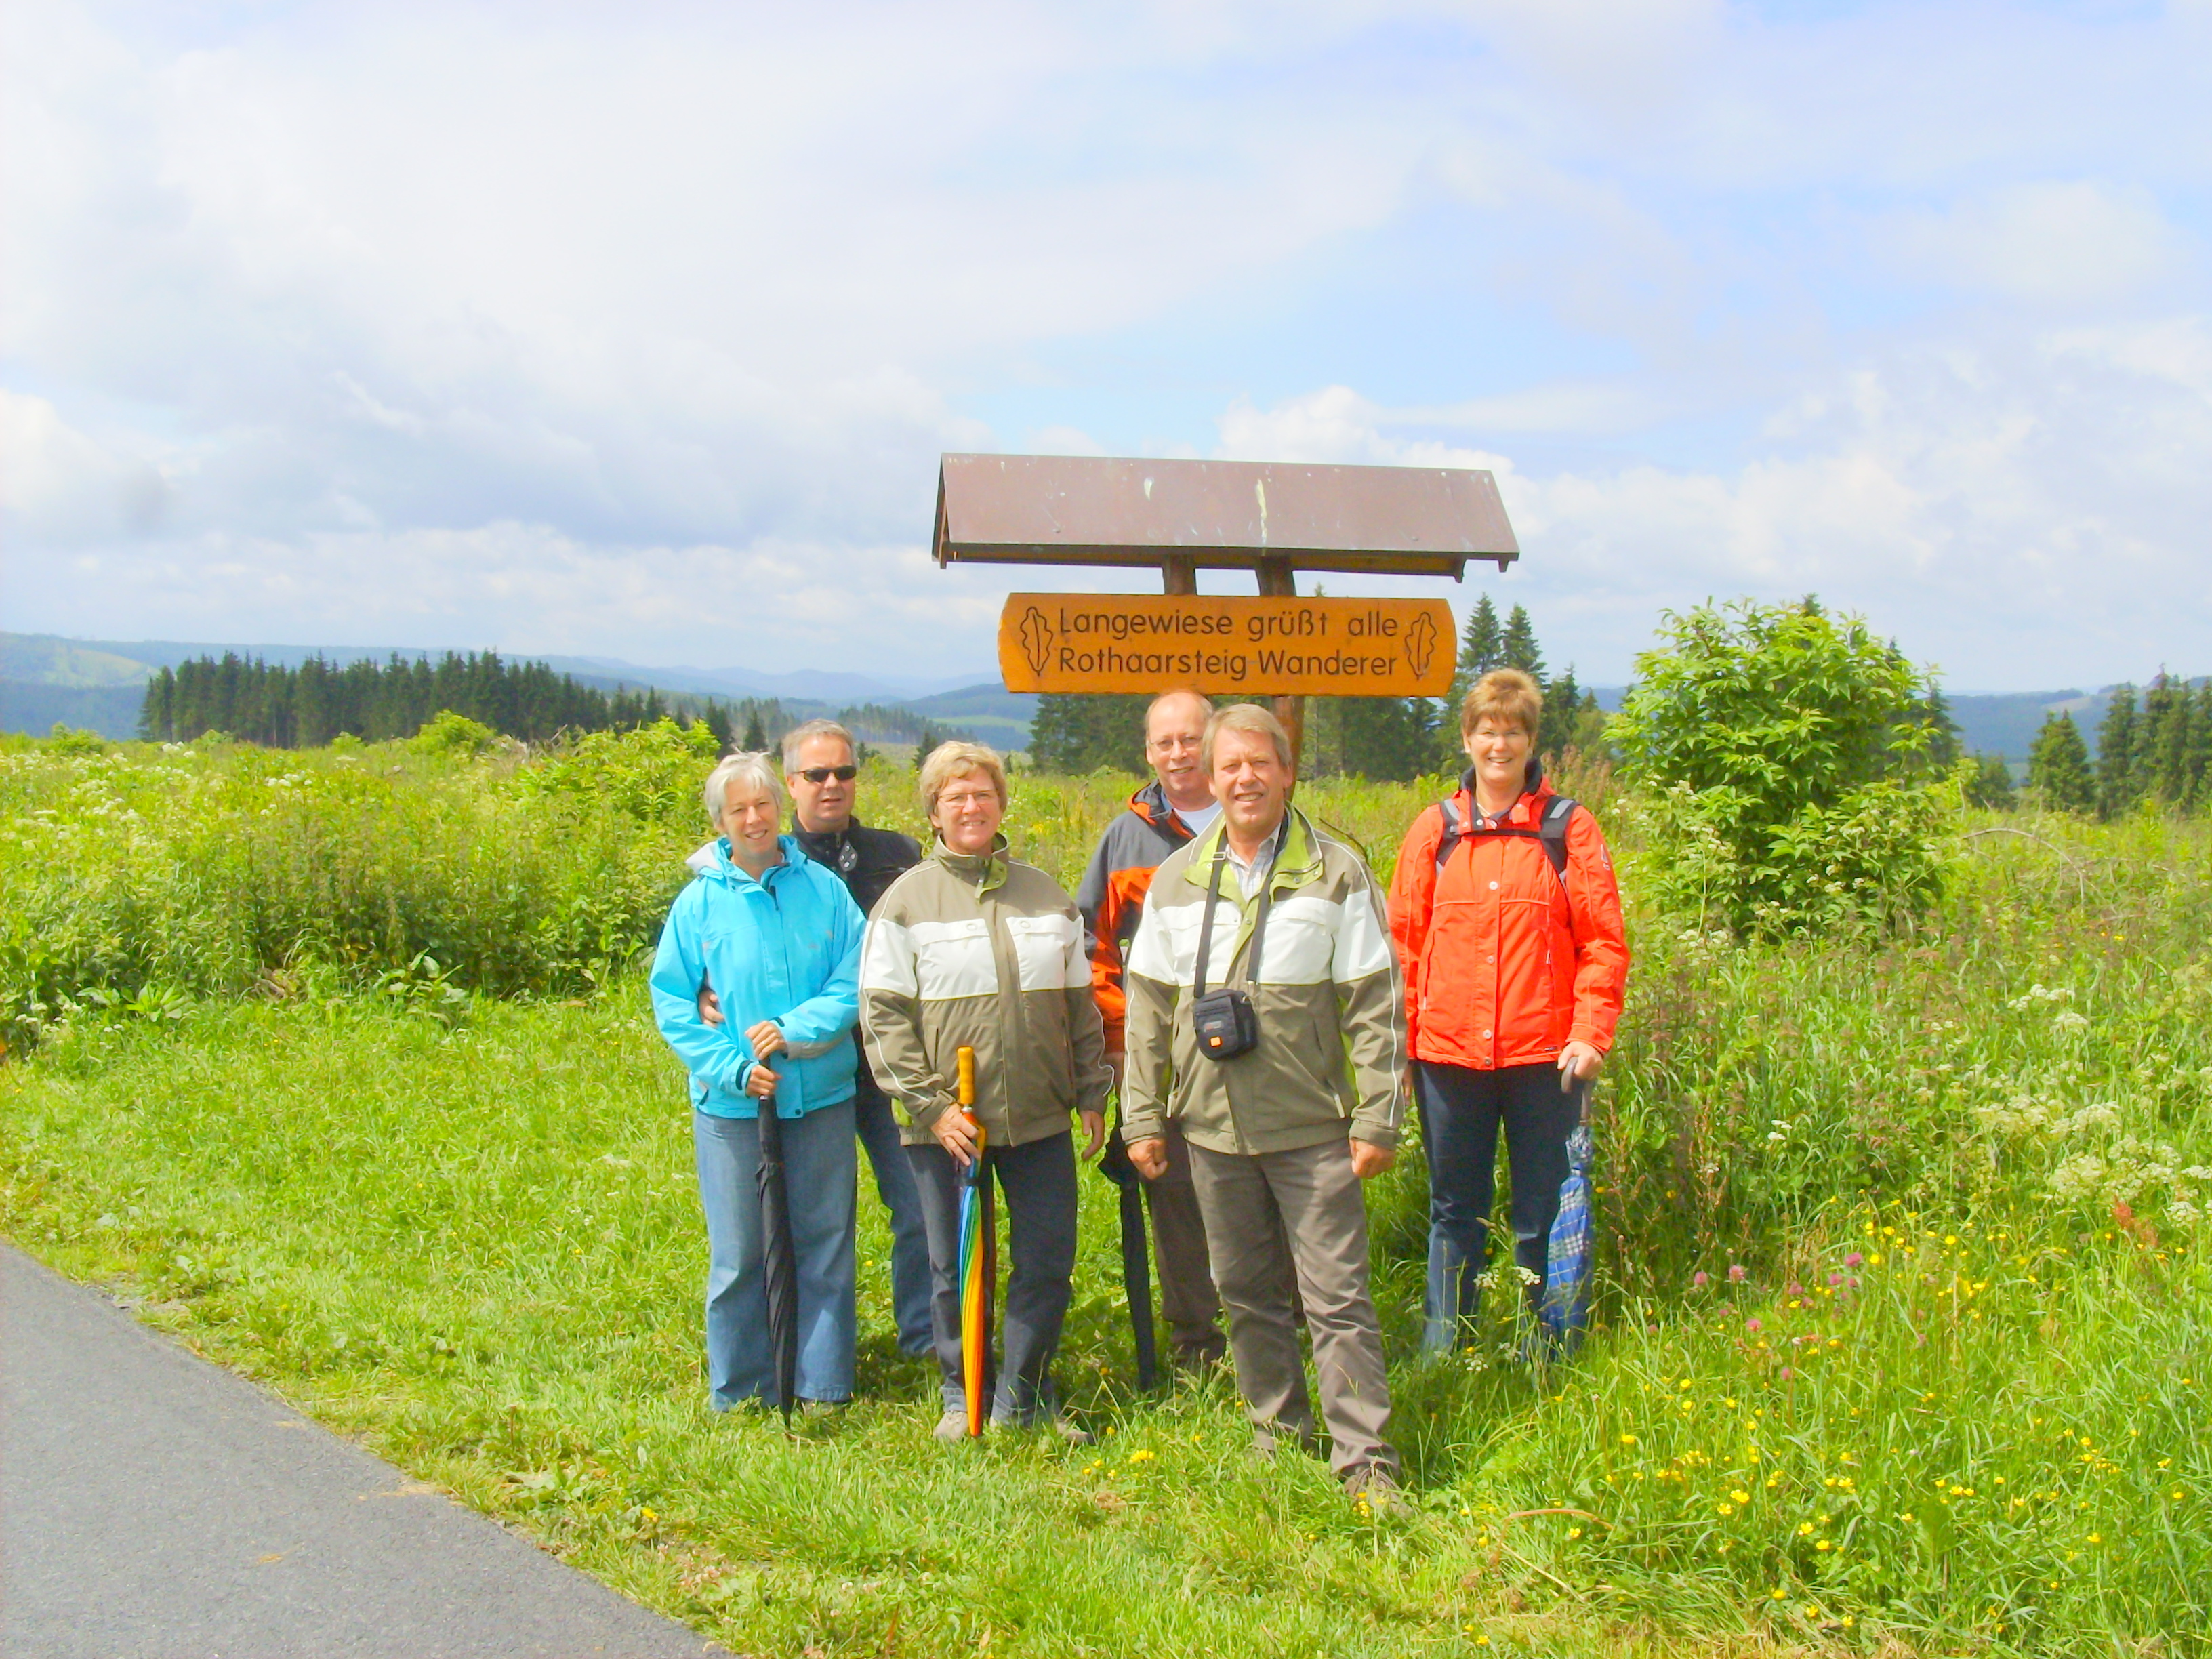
(1036, 639)
(1421, 645)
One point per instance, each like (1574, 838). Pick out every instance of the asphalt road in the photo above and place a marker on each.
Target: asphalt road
(155, 1507)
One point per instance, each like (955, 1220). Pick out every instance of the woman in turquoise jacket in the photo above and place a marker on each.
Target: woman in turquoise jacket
(779, 938)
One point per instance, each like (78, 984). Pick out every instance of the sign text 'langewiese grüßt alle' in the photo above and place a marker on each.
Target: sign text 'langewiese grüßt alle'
(1131, 643)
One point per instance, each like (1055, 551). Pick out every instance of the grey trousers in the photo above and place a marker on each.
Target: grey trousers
(1309, 1197)
(1037, 1188)
(1187, 1297)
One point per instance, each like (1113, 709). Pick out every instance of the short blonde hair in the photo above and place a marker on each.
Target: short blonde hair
(1245, 717)
(1506, 695)
(956, 759)
(749, 766)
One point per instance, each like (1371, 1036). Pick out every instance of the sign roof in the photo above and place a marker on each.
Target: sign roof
(1236, 515)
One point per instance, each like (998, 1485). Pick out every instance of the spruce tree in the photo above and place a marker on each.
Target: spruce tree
(1518, 648)
(1384, 739)
(1991, 784)
(2115, 747)
(2198, 750)
(2059, 767)
(1942, 751)
(1481, 648)
(1567, 716)
(756, 738)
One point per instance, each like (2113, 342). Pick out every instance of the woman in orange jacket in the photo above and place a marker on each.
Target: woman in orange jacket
(1507, 919)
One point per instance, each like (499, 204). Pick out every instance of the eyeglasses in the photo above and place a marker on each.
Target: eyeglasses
(824, 774)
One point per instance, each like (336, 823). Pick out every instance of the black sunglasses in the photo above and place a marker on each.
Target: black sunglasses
(824, 774)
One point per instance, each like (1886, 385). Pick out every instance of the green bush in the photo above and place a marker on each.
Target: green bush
(1782, 756)
(214, 871)
(448, 733)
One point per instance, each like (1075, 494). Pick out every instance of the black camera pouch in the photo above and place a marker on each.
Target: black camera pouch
(1226, 1022)
(1227, 1025)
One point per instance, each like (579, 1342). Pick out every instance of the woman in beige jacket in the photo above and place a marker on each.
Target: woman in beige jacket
(972, 949)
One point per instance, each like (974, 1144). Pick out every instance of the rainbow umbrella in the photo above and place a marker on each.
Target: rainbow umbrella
(978, 1265)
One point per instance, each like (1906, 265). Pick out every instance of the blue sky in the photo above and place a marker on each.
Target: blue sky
(637, 331)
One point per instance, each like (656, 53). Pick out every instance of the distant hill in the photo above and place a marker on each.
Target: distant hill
(94, 684)
(997, 717)
(97, 685)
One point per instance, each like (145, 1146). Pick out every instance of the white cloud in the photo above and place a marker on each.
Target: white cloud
(2067, 243)
(61, 488)
(2035, 518)
(602, 331)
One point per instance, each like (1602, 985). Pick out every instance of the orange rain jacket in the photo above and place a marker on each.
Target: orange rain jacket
(1112, 896)
(1507, 961)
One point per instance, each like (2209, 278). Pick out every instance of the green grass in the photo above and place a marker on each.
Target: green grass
(1963, 1174)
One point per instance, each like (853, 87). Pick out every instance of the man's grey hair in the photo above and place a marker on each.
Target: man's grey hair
(1245, 717)
(800, 736)
(752, 767)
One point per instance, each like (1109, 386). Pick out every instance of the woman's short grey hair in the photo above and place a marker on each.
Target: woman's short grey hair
(753, 766)
(800, 736)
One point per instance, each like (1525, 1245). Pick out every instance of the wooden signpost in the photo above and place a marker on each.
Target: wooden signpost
(1239, 647)
(1272, 518)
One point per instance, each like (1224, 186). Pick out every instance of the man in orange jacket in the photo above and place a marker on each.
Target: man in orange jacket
(1516, 961)
(1165, 813)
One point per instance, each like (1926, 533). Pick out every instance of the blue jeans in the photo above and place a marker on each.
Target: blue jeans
(820, 1171)
(879, 1135)
(1037, 1188)
(1461, 1110)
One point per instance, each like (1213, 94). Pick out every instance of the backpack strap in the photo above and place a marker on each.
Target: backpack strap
(1551, 830)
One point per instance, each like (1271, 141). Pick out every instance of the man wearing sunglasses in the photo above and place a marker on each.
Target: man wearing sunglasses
(818, 768)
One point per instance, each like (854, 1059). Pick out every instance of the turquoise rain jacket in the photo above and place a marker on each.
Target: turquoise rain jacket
(785, 948)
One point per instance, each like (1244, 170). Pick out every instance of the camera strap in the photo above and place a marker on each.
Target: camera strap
(1214, 897)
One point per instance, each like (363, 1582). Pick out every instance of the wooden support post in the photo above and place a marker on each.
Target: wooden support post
(1279, 580)
(1178, 574)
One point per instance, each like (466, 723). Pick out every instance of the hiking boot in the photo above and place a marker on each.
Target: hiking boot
(1374, 1491)
(1195, 1360)
(952, 1427)
(1065, 1427)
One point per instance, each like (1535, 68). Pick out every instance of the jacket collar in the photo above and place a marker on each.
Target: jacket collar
(1151, 804)
(982, 870)
(723, 867)
(1536, 790)
(835, 847)
(1298, 860)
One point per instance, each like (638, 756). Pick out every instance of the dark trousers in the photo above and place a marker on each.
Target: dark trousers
(1461, 1110)
(1187, 1297)
(1036, 1186)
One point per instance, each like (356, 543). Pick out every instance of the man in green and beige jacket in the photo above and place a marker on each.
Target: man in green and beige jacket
(1282, 1135)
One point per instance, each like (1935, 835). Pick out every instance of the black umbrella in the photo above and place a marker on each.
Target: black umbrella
(1136, 1260)
(779, 1260)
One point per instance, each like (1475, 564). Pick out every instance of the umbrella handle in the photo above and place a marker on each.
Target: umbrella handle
(967, 1078)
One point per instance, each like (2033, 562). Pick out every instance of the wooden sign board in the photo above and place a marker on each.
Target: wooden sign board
(1227, 646)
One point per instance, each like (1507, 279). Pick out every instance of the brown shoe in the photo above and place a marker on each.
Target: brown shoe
(1374, 1491)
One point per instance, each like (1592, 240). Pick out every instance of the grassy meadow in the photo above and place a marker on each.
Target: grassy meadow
(339, 1064)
